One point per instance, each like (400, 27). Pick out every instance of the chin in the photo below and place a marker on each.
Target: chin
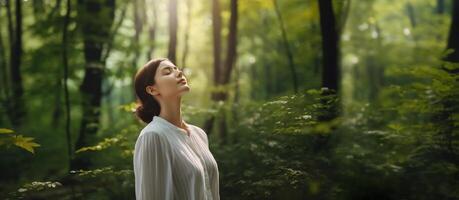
(184, 90)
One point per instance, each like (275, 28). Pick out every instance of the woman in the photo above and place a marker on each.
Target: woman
(171, 157)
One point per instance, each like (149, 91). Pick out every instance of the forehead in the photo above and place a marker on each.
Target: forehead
(165, 64)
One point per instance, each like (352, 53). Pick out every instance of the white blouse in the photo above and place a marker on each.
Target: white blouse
(170, 164)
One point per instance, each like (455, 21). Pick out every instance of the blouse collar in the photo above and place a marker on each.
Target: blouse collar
(174, 127)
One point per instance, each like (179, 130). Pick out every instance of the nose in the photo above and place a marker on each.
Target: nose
(179, 74)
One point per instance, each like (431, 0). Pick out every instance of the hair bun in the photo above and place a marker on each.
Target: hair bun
(146, 113)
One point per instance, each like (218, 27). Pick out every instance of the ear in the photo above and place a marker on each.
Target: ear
(152, 90)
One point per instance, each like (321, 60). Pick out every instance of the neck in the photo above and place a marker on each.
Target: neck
(171, 111)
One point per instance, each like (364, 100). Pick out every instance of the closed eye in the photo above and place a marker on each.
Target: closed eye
(168, 70)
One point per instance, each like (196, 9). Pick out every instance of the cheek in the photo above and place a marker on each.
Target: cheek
(166, 84)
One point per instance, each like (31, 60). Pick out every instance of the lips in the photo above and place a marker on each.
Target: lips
(181, 81)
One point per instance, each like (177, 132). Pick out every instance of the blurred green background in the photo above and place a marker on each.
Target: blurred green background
(301, 99)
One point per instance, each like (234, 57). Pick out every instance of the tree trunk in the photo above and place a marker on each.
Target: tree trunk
(216, 32)
(330, 72)
(16, 106)
(65, 63)
(288, 51)
(330, 46)
(138, 11)
(453, 38)
(217, 28)
(229, 65)
(173, 23)
(411, 14)
(95, 36)
(152, 21)
(3, 71)
(222, 76)
(187, 34)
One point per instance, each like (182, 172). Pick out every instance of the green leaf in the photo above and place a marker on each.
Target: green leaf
(6, 131)
(107, 142)
(25, 143)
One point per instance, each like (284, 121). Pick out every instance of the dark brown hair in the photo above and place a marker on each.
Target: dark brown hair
(147, 106)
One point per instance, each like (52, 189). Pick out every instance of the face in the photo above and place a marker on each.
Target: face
(169, 82)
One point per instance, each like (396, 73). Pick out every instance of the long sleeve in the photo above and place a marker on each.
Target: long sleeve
(152, 168)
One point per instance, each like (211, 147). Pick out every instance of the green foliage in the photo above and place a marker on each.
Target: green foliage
(9, 137)
(105, 171)
(375, 151)
(397, 137)
(32, 188)
(107, 142)
(282, 152)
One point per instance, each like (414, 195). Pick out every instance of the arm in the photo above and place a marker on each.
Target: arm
(152, 168)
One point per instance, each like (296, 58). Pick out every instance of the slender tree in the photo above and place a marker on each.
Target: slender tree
(411, 14)
(330, 45)
(152, 21)
(288, 51)
(187, 34)
(138, 11)
(173, 24)
(453, 38)
(216, 33)
(96, 34)
(3, 69)
(330, 69)
(65, 63)
(222, 75)
(16, 109)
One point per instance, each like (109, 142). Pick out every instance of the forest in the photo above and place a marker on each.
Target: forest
(300, 99)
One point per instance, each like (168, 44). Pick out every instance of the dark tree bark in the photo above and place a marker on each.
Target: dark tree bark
(453, 38)
(331, 69)
(173, 23)
(16, 108)
(96, 34)
(222, 76)
(330, 46)
(216, 33)
(229, 64)
(288, 50)
(231, 43)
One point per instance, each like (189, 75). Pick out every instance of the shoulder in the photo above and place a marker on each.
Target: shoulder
(200, 132)
(154, 129)
(149, 134)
